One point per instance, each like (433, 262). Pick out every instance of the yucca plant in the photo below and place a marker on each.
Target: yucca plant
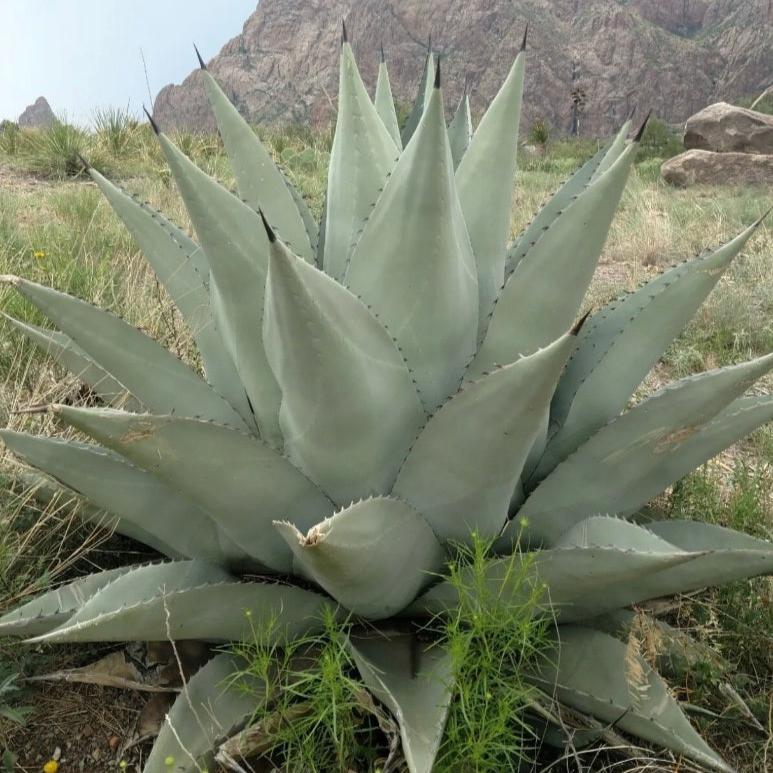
(375, 392)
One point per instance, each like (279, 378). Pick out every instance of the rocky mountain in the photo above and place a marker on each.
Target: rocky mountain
(671, 56)
(38, 115)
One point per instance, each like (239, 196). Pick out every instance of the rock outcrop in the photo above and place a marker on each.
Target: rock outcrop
(672, 56)
(725, 128)
(703, 167)
(38, 115)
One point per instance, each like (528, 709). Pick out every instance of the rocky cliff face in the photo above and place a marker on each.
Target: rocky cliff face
(671, 56)
(38, 115)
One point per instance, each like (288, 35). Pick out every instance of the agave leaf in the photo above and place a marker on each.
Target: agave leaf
(486, 179)
(385, 104)
(234, 239)
(596, 165)
(415, 684)
(698, 535)
(148, 371)
(373, 557)
(261, 184)
(595, 673)
(637, 455)
(166, 520)
(462, 469)
(713, 561)
(240, 481)
(62, 349)
(414, 265)
(543, 294)
(190, 600)
(341, 375)
(620, 344)
(361, 159)
(576, 581)
(422, 99)
(216, 702)
(183, 269)
(51, 609)
(460, 130)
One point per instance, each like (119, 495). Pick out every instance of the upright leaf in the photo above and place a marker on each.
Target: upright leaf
(373, 557)
(385, 103)
(361, 159)
(416, 685)
(261, 184)
(241, 482)
(341, 375)
(632, 458)
(460, 130)
(619, 346)
(486, 180)
(233, 236)
(423, 92)
(414, 266)
(462, 469)
(152, 374)
(544, 293)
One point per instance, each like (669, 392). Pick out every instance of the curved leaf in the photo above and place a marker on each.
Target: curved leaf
(242, 483)
(462, 469)
(595, 673)
(423, 93)
(486, 180)
(372, 557)
(51, 609)
(640, 453)
(189, 600)
(177, 527)
(148, 371)
(416, 685)
(414, 265)
(341, 376)
(261, 184)
(543, 294)
(619, 345)
(210, 709)
(62, 349)
(361, 159)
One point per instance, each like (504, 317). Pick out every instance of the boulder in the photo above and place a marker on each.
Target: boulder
(728, 129)
(38, 115)
(703, 167)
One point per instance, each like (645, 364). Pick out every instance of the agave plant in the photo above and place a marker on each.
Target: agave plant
(375, 392)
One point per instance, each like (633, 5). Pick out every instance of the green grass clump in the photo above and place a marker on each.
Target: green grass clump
(493, 644)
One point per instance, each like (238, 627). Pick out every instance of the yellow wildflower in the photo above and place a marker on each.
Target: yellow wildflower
(52, 766)
(39, 254)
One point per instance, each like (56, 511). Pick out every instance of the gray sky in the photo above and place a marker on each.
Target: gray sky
(84, 54)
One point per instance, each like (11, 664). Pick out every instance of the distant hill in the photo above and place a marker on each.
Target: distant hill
(671, 56)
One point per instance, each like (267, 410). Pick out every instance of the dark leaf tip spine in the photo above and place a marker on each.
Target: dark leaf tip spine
(578, 325)
(269, 230)
(525, 35)
(437, 74)
(86, 164)
(202, 64)
(153, 124)
(640, 133)
(344, 33)
(383, 58)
